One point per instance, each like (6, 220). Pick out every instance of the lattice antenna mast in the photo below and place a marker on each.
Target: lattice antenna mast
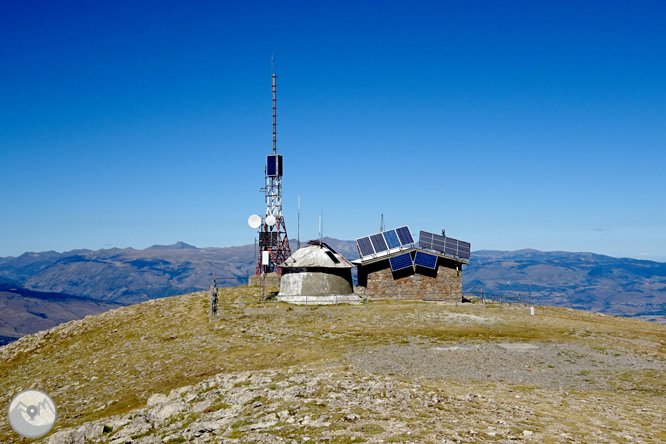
(274, 231)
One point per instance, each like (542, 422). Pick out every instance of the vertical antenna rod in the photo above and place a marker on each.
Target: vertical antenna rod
(274, 109)
(298, 236)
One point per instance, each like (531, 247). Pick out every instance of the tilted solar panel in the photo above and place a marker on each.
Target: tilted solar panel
(401, 261)
(464, 249)
(378, 243)
(425, 260)
(451, 246)
(432, 241)
(364, 247)
(405, 235)
(391, 239)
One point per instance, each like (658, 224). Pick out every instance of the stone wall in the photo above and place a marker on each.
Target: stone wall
(381, 282)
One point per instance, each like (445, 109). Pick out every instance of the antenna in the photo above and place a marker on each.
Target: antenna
(274, 246)
(321, 232)
(298, 235)
(273, 76)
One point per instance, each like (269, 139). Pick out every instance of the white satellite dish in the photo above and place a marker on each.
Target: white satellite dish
(270, 220)
(254, 221)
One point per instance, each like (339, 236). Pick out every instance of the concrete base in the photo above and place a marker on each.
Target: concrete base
(321, 300)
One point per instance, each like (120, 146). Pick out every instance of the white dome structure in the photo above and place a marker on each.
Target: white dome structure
(317, 274)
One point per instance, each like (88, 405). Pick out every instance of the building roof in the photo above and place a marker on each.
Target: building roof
(316, 255)
(409, 250)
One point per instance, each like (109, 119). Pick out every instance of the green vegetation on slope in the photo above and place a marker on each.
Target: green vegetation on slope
(111, 363)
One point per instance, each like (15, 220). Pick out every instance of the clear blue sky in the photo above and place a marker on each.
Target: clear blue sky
(511, 124)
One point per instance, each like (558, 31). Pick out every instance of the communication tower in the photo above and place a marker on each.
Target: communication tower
(273, 241)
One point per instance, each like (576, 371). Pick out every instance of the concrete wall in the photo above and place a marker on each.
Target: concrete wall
(380, 281)
(316, 282)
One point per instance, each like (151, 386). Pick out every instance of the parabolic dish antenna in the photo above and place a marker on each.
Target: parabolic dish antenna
(254, 221)
(270, 220)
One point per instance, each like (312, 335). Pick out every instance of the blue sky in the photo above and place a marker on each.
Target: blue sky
(511, 124)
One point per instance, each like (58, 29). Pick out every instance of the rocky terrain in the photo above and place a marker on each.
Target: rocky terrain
(161, 372)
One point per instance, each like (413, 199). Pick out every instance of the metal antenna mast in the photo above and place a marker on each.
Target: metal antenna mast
(273, 236)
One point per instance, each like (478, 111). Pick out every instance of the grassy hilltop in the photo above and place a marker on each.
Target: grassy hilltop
(377, 373)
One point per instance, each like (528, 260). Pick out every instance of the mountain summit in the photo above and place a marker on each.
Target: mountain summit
(160, 372)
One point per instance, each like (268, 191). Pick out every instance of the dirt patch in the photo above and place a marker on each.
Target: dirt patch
(549, 365)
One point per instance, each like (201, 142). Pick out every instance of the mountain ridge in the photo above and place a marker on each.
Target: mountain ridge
(584, 280)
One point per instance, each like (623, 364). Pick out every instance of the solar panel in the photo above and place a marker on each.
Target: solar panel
(432, 241)
(464, 249)
(365, 247)
(391, 239)
(404, 235)
(401, 261)
(425, 260)
(378, 243)
(457, 247)
(451, 246)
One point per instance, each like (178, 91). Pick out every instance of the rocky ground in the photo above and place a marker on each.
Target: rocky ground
(161, 372)
(345, 406)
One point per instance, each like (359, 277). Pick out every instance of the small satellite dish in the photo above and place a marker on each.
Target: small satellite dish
(270, 220)
(254, 221)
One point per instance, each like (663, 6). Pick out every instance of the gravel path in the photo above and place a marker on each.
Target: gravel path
(550, 365)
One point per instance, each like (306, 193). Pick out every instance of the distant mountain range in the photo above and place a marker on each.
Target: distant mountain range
(588, 281)
(24, 311)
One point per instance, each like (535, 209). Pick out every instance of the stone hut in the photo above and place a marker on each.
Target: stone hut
(317, 274)
(441, 278)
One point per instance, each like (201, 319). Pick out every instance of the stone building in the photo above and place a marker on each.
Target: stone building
(442, 278)
(316, 274)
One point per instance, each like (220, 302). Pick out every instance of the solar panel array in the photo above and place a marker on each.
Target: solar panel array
(365, 247)
(392, 239)
(447, 245)
(405, 235)
(385, 242)
(457, 247)
(401, 261)
(432, 241)
(378, 243)
(425, 260)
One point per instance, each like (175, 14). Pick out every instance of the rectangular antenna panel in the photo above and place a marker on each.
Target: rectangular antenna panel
(274, 165)
(268, 239)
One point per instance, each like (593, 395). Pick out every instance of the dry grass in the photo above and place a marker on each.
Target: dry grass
(113, 362)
